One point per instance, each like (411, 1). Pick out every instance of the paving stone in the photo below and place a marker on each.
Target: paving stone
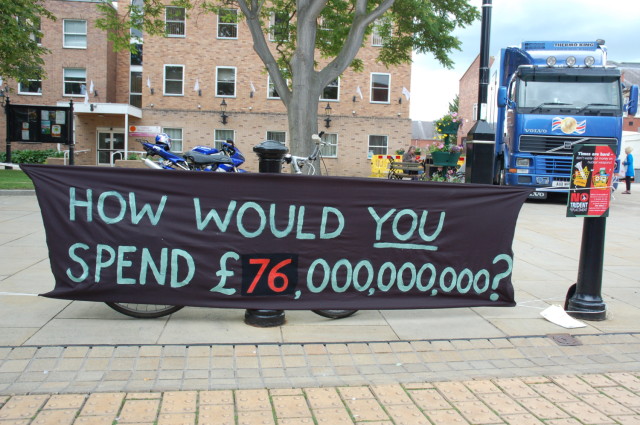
(295, 421)
(483, 386)
(622, 396)
(286, 391)
(522, 419)
(366, 410)
(323, 398)
(14, 366)
(95, 420)
(627, 420)
(177, 419)
(102, 404)
(179, 402)
(429, 399)
(502, 404)
(332, 416)
(585, 413)
(139, 411)
(252, 400)
(455, 391)
(290, 406)
(216, 414)
(542, 408)
(445, 417)
(22, 407)
(65, 401)
(515, 388)
(391, 394)
(626, 380)
(255, 418)
(553, 392)
(143, 396)
(75, 352)
(101, 352)
(150, 351)
(476, 412)
(292, 349)
(406, 415)
(355, 393)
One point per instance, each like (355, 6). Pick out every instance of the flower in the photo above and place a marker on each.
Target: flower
(444, 147)
(445, 124)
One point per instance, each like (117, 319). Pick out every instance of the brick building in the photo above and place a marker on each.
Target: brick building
(178, 83)
(468, 97)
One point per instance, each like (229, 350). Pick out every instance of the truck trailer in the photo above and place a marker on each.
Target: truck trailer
(545, 97)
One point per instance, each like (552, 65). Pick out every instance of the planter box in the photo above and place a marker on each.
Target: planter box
(445, 159)
(451, 128)
(130, 163)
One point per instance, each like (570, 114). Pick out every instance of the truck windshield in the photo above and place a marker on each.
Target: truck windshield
(587, 95)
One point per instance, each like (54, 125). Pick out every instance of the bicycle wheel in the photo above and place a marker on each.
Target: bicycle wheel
(144, 311)
(335, 314)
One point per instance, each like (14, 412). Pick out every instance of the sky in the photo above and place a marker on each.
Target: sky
(514, 21)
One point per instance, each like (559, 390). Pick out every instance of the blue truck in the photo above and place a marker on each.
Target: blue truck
(544, 98)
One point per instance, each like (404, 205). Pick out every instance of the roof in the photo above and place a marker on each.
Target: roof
(422, 130)
(631, 71)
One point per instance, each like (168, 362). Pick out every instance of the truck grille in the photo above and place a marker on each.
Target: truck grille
(543, 144)
(551, 165)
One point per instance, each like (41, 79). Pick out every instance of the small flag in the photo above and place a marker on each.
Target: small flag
(406, 93)
(253, 88)
(86, 95)
(149, 82)
(91, 87)
(359, 93)
(196, 87)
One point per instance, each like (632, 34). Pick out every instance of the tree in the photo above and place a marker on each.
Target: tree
(306, 30)
(454, 104)
(20, 52)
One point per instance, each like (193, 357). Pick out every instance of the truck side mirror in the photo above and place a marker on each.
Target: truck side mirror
(502, 97)
(632, 106)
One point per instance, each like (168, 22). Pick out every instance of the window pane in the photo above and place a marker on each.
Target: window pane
(173, 79)
(330, 149)
(378, 145)
(227, 23)
(226, 85)
(222, 136)
(75, 33)
(75, 27)
(278, 136)
(75, 81)
(331, 91)
(175, 21)
(175, 134)
(380, 88)
(33, 86)
(173, 73)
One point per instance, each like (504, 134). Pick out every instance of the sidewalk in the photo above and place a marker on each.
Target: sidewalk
(477, 365)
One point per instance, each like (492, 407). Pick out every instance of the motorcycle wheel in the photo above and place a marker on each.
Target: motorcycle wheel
(144, 311)
(335, 314)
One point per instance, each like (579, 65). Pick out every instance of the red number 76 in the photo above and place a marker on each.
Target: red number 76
(273, 274)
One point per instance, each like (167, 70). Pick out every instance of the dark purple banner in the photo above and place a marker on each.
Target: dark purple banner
(275, 241)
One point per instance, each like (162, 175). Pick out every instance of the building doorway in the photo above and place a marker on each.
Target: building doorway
(110, 146)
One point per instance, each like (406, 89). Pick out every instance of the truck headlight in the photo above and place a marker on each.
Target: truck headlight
(551, 61)
(571, 61)
(523, 162)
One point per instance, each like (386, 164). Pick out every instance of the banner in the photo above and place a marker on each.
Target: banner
(591, 181)
(275, 241)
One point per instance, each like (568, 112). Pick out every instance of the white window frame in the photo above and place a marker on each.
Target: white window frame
(132, 69)
(331, 145)
(369, 146)
(371, 97)
(64, 83)
(326, 99)
(177, 143)
(229, 24)
(268, 136)
(235, 81)
(79, 35)
(164, 80)
(272, 23)
(167, 22)
(30, 93)
(217, 140)
(271, 88)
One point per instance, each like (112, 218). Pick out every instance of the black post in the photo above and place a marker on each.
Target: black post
(9, 115)
(480, 144)
(270, 155)
(70, 135)
(584, 300)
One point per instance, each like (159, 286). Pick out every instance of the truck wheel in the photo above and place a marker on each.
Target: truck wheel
(498, 179)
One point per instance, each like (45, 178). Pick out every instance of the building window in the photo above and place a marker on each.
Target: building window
(228, 23)
(331, 91)
(278, 136)
(380, 84)
(175, 21)
(225, 82)
(475, 112)
(279, 26)
(378, 145)
(272, 93)
(75, 34)
(222, 136)
(175, 134)
(31, 87)
(330, 149)
(377, 37)
(135, 89)
(174, 80)
(75, 81)
(136, 58)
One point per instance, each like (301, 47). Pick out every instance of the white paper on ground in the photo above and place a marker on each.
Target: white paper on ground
(556, 314)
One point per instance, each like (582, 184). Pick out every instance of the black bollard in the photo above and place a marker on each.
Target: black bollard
(584, 300)
(270, 155)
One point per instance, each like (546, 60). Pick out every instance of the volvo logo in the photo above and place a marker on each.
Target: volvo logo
(568, 145)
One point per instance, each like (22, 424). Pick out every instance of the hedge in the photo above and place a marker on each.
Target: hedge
(31, 156)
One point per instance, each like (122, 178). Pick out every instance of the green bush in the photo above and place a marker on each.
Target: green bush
(31, 156)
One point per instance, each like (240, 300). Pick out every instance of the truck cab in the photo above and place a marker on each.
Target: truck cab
(551, 96)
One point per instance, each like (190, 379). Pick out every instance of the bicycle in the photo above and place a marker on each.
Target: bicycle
(151, 311)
